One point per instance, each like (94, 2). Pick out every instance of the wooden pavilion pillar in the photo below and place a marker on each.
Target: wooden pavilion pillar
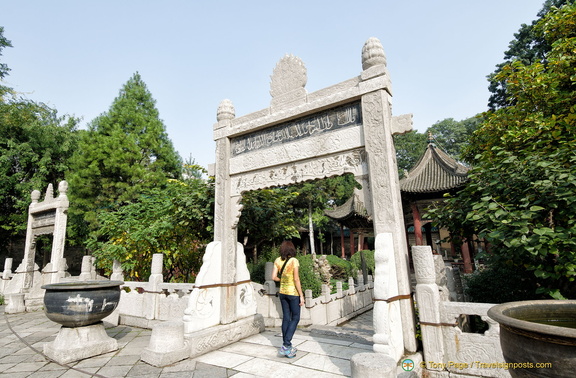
(417, 223)
(342, 249)
(466, 257)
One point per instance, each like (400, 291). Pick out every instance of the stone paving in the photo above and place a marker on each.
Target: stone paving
(322, 352)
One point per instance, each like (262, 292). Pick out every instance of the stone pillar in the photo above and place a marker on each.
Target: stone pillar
(27, 265)
(6, 274)
(226, 213)
(388, 335)
(428, 299)
(387, 213)
(59, 235)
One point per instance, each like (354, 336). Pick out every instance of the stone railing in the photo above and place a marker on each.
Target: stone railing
(449, 346)
(142, 304)
(327, 309)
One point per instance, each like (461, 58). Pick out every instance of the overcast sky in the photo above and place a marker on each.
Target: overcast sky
(76, 55)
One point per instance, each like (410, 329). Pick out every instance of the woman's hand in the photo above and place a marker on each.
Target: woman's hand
(301, 301)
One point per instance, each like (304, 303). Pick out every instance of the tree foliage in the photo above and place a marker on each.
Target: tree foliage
(125, 152)
(4, 42)
(176, 220)
(453, 136)
(35, 147)
(450, 135)
(272, 215)
(409, 148)
(520, 196)
(529, 46)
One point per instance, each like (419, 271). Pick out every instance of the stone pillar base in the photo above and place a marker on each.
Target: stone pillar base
(213, 338)
(78, 343)
(167, 344)
(14, 303)
(373, 365)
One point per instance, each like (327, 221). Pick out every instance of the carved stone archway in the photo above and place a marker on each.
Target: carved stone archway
(345, 128)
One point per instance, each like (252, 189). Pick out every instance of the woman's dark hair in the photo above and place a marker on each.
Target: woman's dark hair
(287, 250)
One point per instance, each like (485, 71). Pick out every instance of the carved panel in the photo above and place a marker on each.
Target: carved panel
(353, 161)
(306, 127)
(321, 145)
(288, 75)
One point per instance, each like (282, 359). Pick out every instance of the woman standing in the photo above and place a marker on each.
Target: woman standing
(291, 296)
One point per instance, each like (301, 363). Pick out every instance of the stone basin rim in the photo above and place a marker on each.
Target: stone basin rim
(500, 314)
(84, 285)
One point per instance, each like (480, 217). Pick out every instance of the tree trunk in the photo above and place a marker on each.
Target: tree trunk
(311, 230)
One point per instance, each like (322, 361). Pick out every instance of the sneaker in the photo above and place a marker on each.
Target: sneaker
(283, 350)
(291, 353)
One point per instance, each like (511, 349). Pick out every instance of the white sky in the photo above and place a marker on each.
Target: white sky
(76, 55)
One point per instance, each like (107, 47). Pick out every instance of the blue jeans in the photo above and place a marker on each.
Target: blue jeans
(290, 317)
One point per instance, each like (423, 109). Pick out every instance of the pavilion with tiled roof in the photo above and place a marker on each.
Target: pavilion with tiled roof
(435, 174)
(353, 215)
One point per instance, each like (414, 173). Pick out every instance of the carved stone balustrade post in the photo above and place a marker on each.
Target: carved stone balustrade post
(428, 301)
(152, 293)
(6, 274)
(117, 272)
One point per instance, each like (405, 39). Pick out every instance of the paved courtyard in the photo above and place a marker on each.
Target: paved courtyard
(322, 352)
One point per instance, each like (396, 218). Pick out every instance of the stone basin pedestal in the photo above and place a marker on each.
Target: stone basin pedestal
(80, 308)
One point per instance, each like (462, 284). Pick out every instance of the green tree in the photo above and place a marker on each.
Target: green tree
(267, 218)
(314, 196)
(453, 136)
(176, 220)
(409, 148)
(520, 195)
(124, 152)
(450, 135)
(4, 42)
(35, 147)
(529, 46)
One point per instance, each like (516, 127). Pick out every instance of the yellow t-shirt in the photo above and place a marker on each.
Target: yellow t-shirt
(287, 280)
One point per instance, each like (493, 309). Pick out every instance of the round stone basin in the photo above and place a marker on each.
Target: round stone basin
(77, 304)
(538, 337)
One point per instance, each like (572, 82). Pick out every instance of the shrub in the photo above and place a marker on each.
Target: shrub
(258, 269)
(308, 279)
(340, 269)
(500, 283)
(368, 258)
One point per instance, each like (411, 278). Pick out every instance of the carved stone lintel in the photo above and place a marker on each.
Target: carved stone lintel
(348, 162)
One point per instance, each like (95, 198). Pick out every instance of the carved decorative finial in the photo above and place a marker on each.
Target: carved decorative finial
(288, 75)
(35, 196)
(49, 193)
(373, 53)
(225, 111)
(62, 188)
